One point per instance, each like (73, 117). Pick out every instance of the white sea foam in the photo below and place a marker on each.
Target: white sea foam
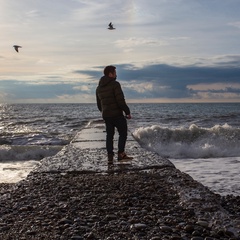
(12, 172)
(26, 152)
(194, 142)
(221, 175)
(16, 162)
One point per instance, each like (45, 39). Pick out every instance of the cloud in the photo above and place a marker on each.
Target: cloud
(235, 24)
(215, 86)
(32, 14)
(136, 42)
(150, 81)
(96, 13)
(201, 79)
(217, 96)
(76, 98)
(13, 90)
(194, 81)
(146, 43)
(216, 91)
(140, 87)
(82, 88)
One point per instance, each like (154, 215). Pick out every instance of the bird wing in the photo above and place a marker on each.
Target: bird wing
(16, 47)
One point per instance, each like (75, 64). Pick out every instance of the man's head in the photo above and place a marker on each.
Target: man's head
(110, 71)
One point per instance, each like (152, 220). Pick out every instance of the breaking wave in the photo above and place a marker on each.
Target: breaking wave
(20, 153)
(194, 142)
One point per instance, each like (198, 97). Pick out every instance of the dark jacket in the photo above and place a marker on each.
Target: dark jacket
(110, 98)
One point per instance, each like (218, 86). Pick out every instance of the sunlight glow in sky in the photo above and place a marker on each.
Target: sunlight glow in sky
(164, 51)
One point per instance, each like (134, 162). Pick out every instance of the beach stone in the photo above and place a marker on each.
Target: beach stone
(189, 228)
(123, 223)
(197, 238)
(196, 233)
(230, 232)
(203, 223)
(175, 237)
(110, 217)
(65, 221)
(31, 232)
(77, 237)
(166, 228)
(138, 226)
(4, 228)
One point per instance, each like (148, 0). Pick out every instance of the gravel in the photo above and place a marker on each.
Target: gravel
(131, 205)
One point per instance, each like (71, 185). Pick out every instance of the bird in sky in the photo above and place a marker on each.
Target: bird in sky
(16, 47)
(110, 26)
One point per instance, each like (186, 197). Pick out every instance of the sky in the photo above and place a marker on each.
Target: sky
(164, 50)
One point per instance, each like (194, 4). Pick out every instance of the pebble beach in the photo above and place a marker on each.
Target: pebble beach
(137, 205)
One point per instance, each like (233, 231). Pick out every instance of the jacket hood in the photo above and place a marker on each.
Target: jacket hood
(105, 80)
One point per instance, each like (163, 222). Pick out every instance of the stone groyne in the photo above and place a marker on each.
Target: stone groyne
(76, 195)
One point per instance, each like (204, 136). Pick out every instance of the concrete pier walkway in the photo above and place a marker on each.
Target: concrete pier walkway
(87, 153)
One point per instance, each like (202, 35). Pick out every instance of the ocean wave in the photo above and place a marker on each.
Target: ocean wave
(193, 142)
(19, 153)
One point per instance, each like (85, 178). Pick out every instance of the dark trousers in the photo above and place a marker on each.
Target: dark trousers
(120, 123)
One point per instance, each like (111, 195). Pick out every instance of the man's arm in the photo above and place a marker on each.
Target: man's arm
(120, 99)
(99, 105)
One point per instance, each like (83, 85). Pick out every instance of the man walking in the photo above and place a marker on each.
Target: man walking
(111, 102)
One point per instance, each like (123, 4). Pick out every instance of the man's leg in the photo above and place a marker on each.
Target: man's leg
(121, 125)
(110, 134)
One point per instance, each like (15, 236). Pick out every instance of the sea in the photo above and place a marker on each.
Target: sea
(200, 139)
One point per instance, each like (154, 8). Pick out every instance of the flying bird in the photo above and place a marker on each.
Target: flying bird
(16, 47)
(110, 26)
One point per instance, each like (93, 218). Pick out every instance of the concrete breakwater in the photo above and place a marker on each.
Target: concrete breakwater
(77, 195)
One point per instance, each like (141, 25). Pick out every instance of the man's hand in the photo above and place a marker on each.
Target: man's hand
(128, 116)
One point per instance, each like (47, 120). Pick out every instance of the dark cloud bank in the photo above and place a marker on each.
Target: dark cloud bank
(167, 82)
(174, 80)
